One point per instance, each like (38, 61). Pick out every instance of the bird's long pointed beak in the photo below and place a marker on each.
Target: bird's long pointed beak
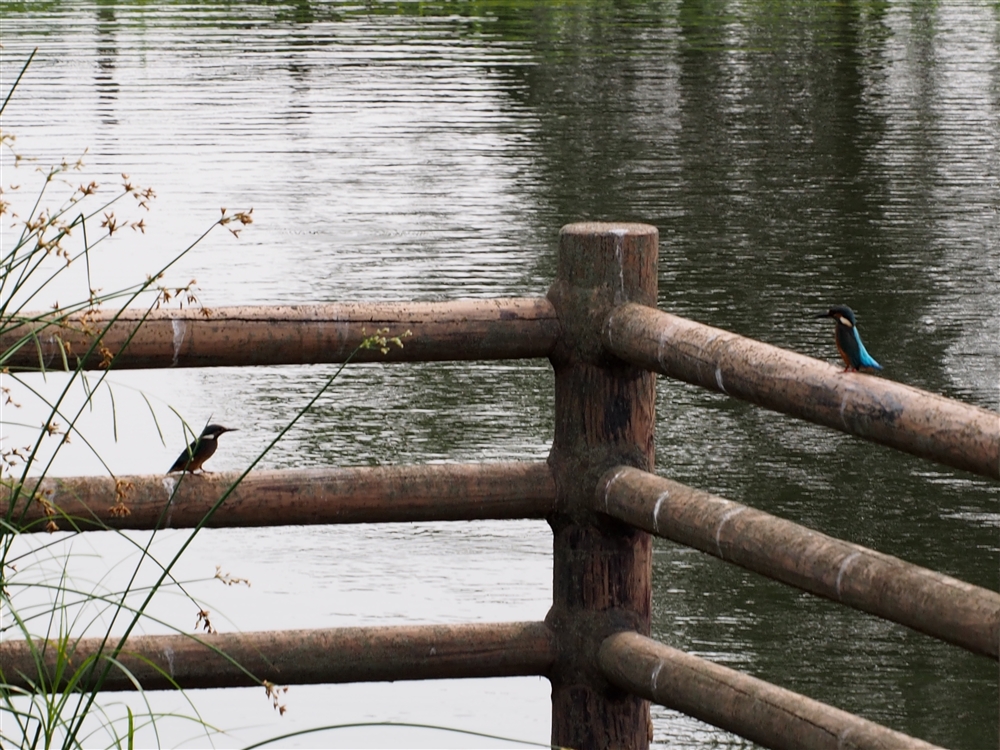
(820, 315)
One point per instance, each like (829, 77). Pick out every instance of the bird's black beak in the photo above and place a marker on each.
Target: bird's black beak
(822, 315)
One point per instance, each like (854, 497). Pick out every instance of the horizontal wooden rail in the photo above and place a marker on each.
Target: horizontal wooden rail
(477, 329)
(431, 492)
(752, 708)
(932, 603)
(908, 419)
(302, 657)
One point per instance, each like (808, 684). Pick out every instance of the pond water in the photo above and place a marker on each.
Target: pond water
(792, 155)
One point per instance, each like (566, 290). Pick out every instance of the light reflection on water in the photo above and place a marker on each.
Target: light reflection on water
(787, 165)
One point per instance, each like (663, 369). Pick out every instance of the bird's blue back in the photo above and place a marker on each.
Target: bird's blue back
(860, 356)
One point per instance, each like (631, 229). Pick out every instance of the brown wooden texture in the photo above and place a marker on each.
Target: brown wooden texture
(754, 709)
(908, 419)
(301, 657)
(433, 492)
(935, 604)
(484, 329)
(604, 417)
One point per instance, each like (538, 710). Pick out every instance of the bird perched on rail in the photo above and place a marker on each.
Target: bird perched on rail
(852, 351)
(200, 450)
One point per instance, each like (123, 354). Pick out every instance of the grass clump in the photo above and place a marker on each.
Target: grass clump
(47, 235)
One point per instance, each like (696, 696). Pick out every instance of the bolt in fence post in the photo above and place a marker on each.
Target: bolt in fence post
(604, 417)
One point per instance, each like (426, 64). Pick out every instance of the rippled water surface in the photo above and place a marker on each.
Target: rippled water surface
(792, 155)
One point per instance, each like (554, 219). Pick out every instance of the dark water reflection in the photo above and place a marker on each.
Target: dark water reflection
(793, 155)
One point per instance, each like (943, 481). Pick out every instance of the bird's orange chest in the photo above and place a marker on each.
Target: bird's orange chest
(843, 354)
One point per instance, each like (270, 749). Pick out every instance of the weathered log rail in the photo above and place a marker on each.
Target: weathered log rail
(726, 698)
(922, 599)
(605, 340)
(302, 657)
(383, 494)
(488, 329)
(908, 419)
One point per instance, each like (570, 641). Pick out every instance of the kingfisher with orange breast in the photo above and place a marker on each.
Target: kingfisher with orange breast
(852, 351)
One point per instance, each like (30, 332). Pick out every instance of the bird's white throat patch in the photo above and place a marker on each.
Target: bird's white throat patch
(844, 321)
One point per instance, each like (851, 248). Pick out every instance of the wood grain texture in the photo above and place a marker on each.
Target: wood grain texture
(605, 412)
(473, 329)
(432, 492)
(298, 657)
(908, 419)
(754, 709)
(922, 599)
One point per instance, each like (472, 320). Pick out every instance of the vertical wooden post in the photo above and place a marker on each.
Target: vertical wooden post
(605, 413)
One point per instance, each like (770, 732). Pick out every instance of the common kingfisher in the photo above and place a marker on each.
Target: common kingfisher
(200, 450)
(852, 351)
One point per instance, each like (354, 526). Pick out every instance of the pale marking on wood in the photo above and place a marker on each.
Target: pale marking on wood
(607, 487)
(56, 342)
(168, 652)
(843, 568)
(655, 676)
(718, 380)
(170, 485)
(180, 328)
(656, 509)
(732, 512)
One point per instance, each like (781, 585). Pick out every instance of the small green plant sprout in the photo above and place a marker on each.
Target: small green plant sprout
(381, 340)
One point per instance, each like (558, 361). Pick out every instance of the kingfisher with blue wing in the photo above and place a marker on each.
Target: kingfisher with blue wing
(852, 351)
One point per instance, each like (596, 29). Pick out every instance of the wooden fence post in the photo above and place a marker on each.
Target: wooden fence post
(605, 412)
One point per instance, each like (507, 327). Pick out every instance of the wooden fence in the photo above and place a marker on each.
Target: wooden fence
(600, 329)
